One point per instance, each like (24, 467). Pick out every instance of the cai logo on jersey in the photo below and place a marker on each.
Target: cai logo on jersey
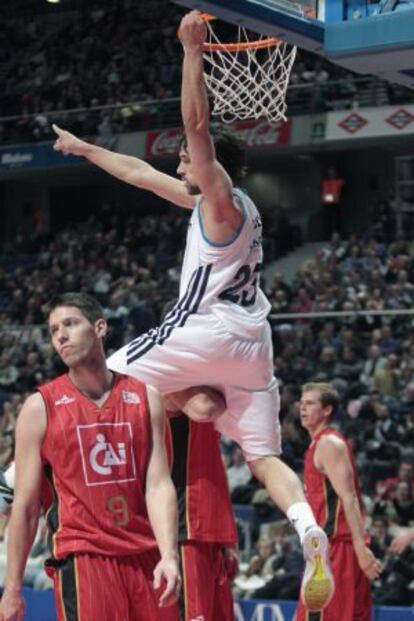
(106, 451)
(104, 457)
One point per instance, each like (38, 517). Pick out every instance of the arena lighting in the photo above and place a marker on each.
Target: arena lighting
(53, 1)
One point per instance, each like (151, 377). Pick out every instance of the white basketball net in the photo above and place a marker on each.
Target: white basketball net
(248, 83)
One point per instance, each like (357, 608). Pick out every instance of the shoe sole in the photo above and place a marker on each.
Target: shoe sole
(318, 585)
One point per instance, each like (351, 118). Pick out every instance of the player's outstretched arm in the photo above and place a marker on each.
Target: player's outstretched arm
(161, 502)
(331, 458)
(222, 216)
(30, 430)
(129, 169)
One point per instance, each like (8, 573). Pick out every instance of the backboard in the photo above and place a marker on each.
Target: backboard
(367, 36)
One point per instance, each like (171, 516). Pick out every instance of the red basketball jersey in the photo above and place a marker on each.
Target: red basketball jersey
(199, 476)
(321, 495)
(95, 461)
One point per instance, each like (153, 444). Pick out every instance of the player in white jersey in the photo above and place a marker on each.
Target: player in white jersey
(217, 333)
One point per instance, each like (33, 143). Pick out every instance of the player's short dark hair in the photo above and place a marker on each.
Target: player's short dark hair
(88, 306)
(329, 396)
(230, 152)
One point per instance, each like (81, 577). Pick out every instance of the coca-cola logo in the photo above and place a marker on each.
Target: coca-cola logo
(258, 134)
(164, 143)
(255, 134)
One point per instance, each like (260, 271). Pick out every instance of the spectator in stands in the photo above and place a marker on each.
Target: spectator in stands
(262, 563)
(387, 380)
(287, 568)
(398, 510)
(7, 429)
(403, 504)
(327, 361)
(380, 536)
(375, 362)
(239, 477)
(8, 374)
(302, 303)
(392, 589)
(405, 474)
(386, 431)
(260, 567)
(387, 342)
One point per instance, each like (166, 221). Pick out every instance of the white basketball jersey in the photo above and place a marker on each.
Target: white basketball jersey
(224, 279)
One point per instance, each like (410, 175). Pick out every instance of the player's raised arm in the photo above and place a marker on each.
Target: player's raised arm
(331, 458)
(31, 427)
(129, 169)
(222, 216)
(161, 502)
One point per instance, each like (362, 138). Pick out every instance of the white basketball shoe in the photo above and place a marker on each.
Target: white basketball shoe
(317, 584)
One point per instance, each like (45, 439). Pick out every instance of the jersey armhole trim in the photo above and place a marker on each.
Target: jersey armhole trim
(237, 233)
(47, 422)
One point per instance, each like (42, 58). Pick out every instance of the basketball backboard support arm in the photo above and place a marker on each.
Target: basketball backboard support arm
(379, 44)
(351, 36)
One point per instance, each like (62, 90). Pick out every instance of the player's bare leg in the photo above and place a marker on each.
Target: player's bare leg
(285, 489)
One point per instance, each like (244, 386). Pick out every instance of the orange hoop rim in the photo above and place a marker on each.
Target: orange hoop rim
(207, 17)
(241, 47)
(233, 48)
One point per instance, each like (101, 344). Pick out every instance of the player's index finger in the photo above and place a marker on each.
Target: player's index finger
(56, 129)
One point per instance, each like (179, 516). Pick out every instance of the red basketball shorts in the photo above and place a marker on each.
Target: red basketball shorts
(102, 588)
(206, 589)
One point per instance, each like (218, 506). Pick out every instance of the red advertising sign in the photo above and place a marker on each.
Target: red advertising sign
(255, 134)
(163, 143)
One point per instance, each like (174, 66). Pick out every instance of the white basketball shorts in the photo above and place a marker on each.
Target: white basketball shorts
(204, 353)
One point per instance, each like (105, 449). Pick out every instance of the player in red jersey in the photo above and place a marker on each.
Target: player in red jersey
(207, 537)
(99, 438)
(333, 491)
(207, 529)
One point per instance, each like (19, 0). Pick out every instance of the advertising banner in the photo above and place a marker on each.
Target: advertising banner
(30, 156)
(24, 157)
(255, 134)
(370, 123)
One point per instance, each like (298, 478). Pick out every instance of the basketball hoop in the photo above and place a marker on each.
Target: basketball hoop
(248, 78)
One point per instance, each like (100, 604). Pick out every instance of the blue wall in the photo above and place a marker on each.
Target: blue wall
(284, 611)
(40, 607)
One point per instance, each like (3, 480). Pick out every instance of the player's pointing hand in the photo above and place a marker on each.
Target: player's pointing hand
(67, 143)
